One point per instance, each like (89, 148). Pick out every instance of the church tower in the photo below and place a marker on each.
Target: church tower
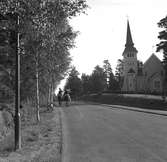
(129, 63)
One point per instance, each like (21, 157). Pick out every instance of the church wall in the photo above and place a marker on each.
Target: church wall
(152, 66)
(153, 73)
(152, 79)
(140, 84)
(129, 84)
(156, 84)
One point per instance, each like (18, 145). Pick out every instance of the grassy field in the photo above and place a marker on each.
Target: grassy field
(116, 99)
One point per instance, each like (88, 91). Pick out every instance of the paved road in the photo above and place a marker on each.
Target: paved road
(94, 133)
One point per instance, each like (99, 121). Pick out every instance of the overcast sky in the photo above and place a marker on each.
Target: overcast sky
(103, 31)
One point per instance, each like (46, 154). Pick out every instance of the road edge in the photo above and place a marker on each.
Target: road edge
(155, 112)
(64, 137)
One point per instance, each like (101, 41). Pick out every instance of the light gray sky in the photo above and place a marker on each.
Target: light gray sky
(103, 31)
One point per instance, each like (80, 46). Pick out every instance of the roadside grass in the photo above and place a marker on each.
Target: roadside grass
(40, 141)
(116, 99)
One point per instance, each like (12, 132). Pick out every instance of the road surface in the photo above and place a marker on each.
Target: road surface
(94, 133)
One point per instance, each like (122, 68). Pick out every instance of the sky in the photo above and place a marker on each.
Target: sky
(103, 31)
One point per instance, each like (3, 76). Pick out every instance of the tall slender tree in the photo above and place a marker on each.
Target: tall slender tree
(107, 71)
(118, 74)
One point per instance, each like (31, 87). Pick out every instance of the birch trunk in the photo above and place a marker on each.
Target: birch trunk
(37, 91)
(52, 89)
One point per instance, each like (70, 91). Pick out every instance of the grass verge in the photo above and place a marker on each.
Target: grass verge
(40, 142)
(116, 99)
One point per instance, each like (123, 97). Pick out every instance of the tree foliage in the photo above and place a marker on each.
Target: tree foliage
(107, 71)
(86, 83)
(98, 80)
(46, 38)
(112, 82)
(74, 83)
(162, 46)
(118, 74)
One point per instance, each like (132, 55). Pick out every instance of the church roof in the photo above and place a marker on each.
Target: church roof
(129, 46)
(152, 57)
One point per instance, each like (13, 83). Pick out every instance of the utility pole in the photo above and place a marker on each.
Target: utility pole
(17, 90)
(9, 37)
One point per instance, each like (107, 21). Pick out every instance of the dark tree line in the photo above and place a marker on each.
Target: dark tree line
(100, 80)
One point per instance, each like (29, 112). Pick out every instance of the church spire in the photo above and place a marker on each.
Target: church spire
(129, 46)
(129, 41)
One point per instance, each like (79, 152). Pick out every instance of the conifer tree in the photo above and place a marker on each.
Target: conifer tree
(73, 83)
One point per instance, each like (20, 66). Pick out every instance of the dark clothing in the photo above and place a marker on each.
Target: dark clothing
(59, 96)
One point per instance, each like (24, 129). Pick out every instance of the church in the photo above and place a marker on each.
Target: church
(139, 77)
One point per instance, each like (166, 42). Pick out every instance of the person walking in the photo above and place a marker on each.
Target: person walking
(59, 96)
(67, 98)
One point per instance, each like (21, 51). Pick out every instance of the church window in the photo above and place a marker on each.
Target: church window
(157, 84)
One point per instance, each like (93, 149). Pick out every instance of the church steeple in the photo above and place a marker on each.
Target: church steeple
(129, 41)
(129, 46)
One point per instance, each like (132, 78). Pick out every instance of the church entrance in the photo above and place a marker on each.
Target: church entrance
(131, 84)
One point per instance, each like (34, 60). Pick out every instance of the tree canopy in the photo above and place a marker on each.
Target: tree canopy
(45, 39)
